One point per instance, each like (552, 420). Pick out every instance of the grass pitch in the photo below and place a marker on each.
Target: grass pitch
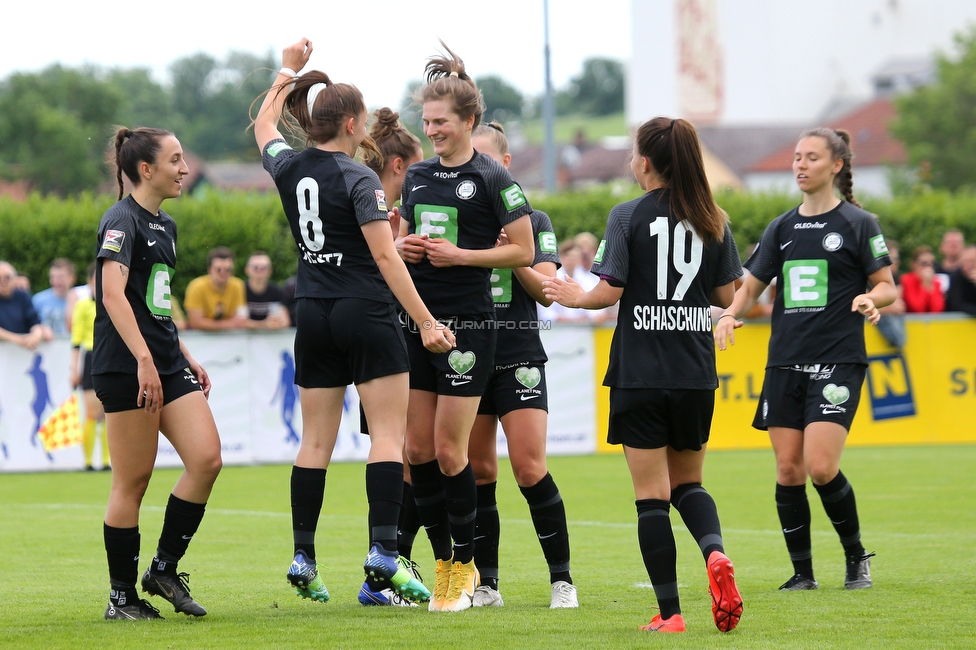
(917, 507)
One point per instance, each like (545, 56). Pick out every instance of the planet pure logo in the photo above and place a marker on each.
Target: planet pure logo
(461, 361)
(528, 377)
(836, 394)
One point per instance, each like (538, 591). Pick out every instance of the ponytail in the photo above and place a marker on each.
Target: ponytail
(673, 149)
(839, 143)
(447, 79)
(131, 147)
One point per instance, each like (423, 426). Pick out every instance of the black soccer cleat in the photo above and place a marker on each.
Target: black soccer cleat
(175, 589)
(799, 583)
(858, 574)
(124, 611)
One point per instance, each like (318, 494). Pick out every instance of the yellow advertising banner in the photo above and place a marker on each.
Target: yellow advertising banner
(923, 394)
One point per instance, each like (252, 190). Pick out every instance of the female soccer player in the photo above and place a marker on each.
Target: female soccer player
(822, 254)
(459, 201)
(347, 329)
(516, 394)
(667, 256)
(82, 342)
(146, 379)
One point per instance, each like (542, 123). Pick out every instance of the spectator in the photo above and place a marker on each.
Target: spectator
(571, 258)
(892, 323)
(51, 304)
(588, 245)
(921, 289)
(22, 282)
(264, 298)
(288, 296)
(962, 284)
(217, 301)
(19, 322)
(951, 250)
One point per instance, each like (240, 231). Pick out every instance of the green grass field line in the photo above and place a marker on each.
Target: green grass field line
(917, 507)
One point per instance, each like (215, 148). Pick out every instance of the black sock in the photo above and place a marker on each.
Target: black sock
(180, 523)
(384, 491)
(486, 533)
(307, 493)
(697, 509)
(838, 501)
(122, 549)
(549, 519)
(658, 550)
(462, 508)
(428, 493)
(794, 517)
(409, 522)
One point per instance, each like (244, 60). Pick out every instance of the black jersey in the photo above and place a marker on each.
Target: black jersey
(663, 337)
(515, 310)
(328, 197)
(821, 264)
(145, 243)
(468, 205)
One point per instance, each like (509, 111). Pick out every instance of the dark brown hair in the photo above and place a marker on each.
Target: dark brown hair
(391, 139)
(674, 151)
(494, 132)
(447, 79)
(335, 104)
(839, 143)
(219, 253)
(133, 147)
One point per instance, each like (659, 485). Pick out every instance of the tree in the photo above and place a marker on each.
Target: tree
(937, 123)
(597, 90)
(503, 101)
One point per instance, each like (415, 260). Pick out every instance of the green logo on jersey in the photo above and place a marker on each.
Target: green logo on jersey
(878, 246)
(277, 148)
(806, 283)
(599, 251)
(461, 361)
(158, 296)
(501, 285)
(836, 394)
(547, 242)
(528, 377)
(513, 197)
(437, 221)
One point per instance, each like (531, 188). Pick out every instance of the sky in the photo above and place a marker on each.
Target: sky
(380, 46)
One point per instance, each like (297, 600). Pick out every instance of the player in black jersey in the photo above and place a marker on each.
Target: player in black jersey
(667, 256)
(347, 329)
(516, 395)
(459, 201)
(146, 379)
(824, 253)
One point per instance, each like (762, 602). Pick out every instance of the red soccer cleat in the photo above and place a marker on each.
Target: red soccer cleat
(674, 624)
(726, 600)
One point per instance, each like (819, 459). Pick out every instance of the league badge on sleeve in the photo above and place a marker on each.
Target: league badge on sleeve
(380, 200)
(113, 240)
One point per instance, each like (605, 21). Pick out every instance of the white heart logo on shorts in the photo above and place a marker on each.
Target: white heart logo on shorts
(461, 361)
(528, 377)
(836, 394)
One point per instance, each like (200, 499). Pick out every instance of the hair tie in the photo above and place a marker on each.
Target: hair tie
(454, 73)
(313, 94)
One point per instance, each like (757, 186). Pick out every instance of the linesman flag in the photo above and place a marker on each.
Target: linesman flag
(63, 427)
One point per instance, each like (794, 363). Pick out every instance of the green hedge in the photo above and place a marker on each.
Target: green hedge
(35, 231)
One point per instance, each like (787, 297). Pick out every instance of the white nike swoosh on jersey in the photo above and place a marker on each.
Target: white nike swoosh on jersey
(782, 246)
(528, 397)
(151, 242)
(455, 382)
(416, 187)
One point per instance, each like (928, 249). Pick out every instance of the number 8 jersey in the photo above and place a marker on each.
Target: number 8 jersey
(663, 337)
(145, 243)
(821, 264)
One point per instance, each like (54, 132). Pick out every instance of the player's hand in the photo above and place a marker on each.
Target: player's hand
(411, 248)
(296, 55)
(394, 217)
(437, 338)
(443, 253)
(866, 306)
(202, 377)
(564, 291)
(725, 330)
(150, 388)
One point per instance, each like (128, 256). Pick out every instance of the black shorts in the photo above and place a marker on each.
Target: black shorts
(796, 396)
(514, 388)
(119, 391)
(86, 365)
(344, 341)
(651, 418)
(462, 372)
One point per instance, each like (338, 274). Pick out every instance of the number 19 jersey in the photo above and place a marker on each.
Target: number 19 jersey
(663, 337)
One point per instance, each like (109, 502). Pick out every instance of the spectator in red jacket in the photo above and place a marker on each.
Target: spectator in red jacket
(921, 288)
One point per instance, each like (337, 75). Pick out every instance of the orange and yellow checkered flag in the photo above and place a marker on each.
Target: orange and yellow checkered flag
(63, 426)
